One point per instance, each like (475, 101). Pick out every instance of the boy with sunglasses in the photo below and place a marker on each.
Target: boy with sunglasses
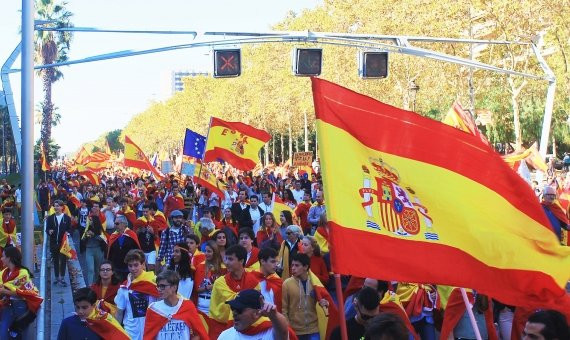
(366, 304)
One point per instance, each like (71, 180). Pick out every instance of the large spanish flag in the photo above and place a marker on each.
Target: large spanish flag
(234, 142)
(415, 200)
(135, 157)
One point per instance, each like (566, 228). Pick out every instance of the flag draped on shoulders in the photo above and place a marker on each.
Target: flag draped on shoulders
(207, 179)
(236, 143)
(145, 283)
(328, 318)
(66, 248)
(187, 313)
(128, 233)
(20, 282)
(105, 325)
(409, 182)
(135, 157)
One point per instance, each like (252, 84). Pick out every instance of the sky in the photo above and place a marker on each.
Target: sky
(102, 96)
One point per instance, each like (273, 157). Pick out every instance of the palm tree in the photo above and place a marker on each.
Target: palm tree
(51, 47)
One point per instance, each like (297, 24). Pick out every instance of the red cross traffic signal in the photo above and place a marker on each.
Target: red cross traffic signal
(227, 63)
(307, 61)
(373, 65)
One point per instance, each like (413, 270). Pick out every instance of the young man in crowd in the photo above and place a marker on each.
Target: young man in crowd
(228, 286)
(246, 237)
(56, 225)
(255, 318)
(366, 304)
(269, 282)
(135, 295)
(172, 317)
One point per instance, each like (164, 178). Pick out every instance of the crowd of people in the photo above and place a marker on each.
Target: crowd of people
(169, 259)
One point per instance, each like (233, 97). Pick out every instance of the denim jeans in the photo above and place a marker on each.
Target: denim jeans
(93, 258)
(10, 313)
(314, 336)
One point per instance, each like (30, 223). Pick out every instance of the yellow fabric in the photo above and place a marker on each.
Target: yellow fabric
(222, 137)
(501, 221)
(221, 293)
(322, 242)
(284, 259)
(65, 211)
(4, 236)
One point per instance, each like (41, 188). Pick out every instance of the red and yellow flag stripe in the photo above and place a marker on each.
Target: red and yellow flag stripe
(416, 193)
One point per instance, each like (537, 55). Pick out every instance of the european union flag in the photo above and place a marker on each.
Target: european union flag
(194, 144)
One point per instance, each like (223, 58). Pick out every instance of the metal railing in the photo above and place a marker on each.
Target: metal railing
(40, 325)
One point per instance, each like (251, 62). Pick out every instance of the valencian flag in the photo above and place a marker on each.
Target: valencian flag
(134, 157)
(105, 325)
(462, 120)
(234, 142)
(416, 193)
(43, 160)
(66, 249)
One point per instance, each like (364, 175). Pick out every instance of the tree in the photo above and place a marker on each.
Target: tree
(51, 47)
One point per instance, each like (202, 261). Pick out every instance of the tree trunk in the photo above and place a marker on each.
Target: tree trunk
(273, 150)
(290, 138)
(306, 133)
(282, 150)
(47, 111)
(515, 91)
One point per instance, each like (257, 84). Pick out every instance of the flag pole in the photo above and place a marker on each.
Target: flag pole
(205, 148)
(340, 299)
(469, 309)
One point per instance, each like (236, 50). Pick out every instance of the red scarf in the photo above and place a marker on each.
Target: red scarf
(110, 293)
(144, 283)
(128, 232)
(273, 281)
(253, 258)
(186, 313)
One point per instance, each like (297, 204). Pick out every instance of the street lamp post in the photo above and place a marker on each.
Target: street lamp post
(413, 89)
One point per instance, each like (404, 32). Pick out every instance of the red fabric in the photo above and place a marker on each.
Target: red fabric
(130, 215)
(323, 231)
(187, 313)
(319, 268)
(333, 321)
(173, 203)
(557, 211)
(454, 312)
(159, 223)
(248, 281)
(394, 308)
(139, 223)
(302, 212)
(110, 293)
(253, 258)
(354, 285)
(128, 232)
(519, 321)
(263, 235)
(274, 282)
(232, 225)
(436, 253)
(145, 287)
(253, 330)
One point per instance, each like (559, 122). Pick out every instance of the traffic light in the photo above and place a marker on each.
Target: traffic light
(307, 61)
(227, 63)
(373, 65)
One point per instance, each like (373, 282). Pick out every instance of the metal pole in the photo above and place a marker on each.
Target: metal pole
(469, 310)
(27, 169)
(547, 117)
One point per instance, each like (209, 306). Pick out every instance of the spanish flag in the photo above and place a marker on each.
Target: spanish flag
(66, 248)
(462, 120)
(207, 179)
(530, 155)
(279, 206)
(234, 142)
(134, 157)
(91, 176)
(327, 316)
(20, 282)
(105, 325)
(185, 312)
(416, 193)
(43, 159)
(145, 283)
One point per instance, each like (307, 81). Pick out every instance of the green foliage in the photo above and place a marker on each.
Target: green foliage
(269, 97)
(53, 150)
